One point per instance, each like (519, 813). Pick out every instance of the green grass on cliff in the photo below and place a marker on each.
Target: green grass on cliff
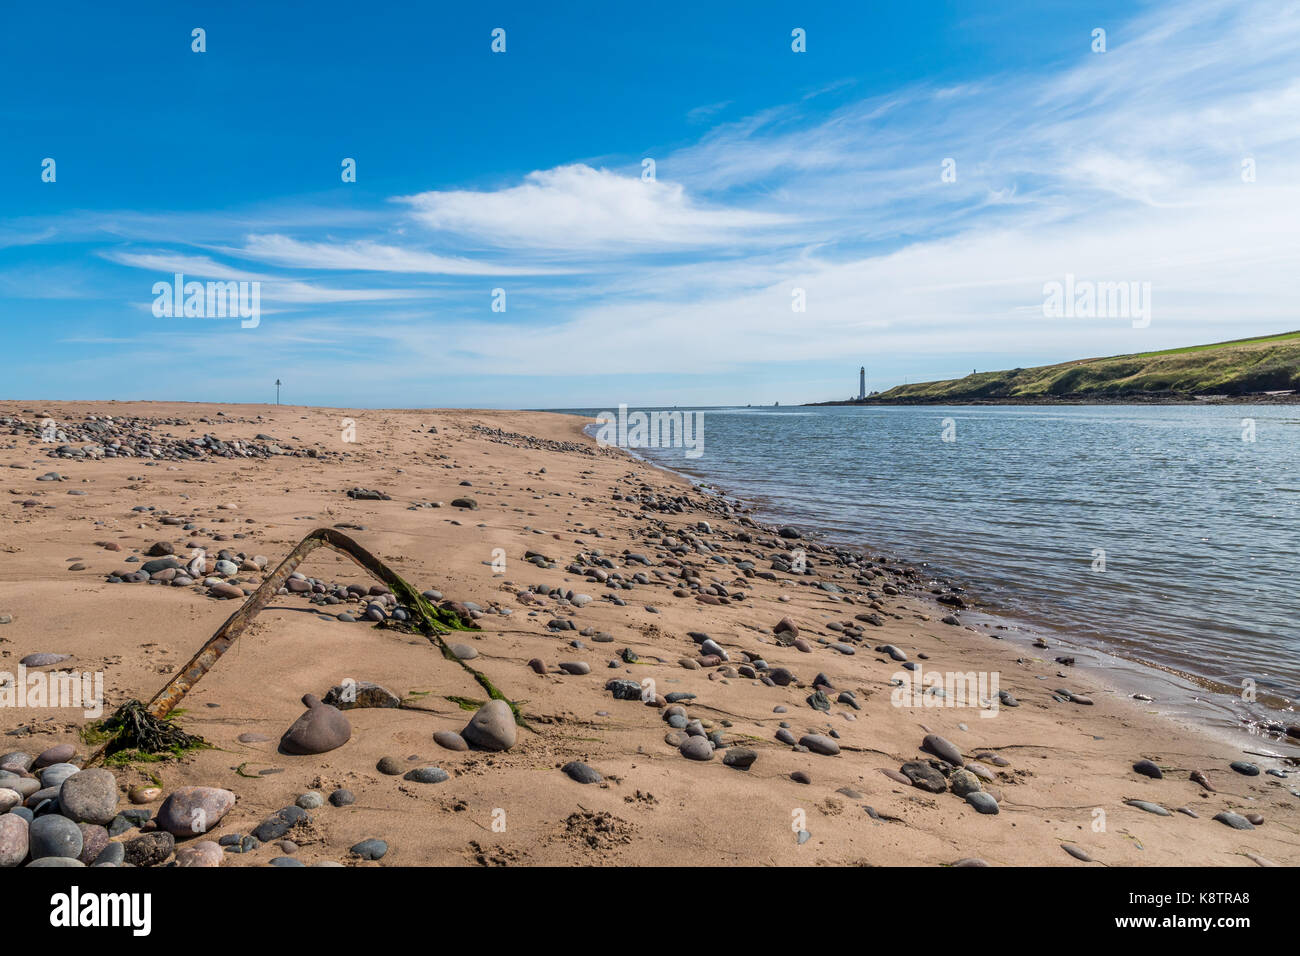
(1241, 367)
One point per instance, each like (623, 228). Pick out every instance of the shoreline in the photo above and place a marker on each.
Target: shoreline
(681, 562)
(1107, 664)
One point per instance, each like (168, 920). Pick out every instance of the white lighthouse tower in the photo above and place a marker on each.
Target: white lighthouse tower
(862, 382)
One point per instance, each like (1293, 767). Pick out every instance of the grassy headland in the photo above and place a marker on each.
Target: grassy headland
(1232, 370)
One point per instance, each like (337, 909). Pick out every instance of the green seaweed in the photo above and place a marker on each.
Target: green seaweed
(133, 735)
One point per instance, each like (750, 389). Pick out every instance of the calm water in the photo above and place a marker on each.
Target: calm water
(1200, 529)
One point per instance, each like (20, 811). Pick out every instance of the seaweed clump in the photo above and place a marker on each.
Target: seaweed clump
(133, 734)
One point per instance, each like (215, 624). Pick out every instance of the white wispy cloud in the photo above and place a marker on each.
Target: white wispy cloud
(369, 256)
(274, 288)
(577, 207)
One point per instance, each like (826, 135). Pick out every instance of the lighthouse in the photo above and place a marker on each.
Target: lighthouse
(862, 382)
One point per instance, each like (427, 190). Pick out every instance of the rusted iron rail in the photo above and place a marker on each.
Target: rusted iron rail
(430, 620)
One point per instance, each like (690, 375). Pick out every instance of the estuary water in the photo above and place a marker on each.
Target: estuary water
(1165, 535)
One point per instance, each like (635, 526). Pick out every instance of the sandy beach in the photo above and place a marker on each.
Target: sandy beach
(1060, 771)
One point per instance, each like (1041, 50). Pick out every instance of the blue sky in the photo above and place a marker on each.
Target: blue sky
(775, 171)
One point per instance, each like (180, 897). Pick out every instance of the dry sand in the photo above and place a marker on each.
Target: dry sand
(1068, 766)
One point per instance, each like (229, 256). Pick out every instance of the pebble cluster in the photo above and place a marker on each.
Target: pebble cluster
(96, 437)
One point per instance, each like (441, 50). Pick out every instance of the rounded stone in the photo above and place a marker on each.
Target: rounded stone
(191, 810)
(13, 839)
(321, 729)
(56, 773)
(112, 855)
(200, 853)
(1149, 768)
(963, 782)
(53, 835)
(742, 758)
(983, 802)
(450, 740)
(492, 727)
(93, 840)
(579, 771)
(89, 797)
(820, 744)
(390, 766)
(9, 799)
(150, 849)
(311, 800)
(343, 797)
(944, 749)
(369, 849)
(49, 861)
(697, 748)
(427, 775)
(17, 762)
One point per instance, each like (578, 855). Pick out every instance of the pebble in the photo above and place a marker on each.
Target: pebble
(89, 797)
(59, 754)
(742, 758)
(1245, 768)
(201, 853)
(579, 771)
(371, 849)
(342, 797)
(43, 660)
(53, 835)
(361, 694)
(1234, 820)
(427, 775)
(13, 840)
(56, 773)
(112, 855)
(1077, 852)
(820, 744)
(924, 777)
(983, 802)
(16, 762)
(150, 849)
(963, 782)
(943, 749)
(279, 824)
(311, 800)
(492, 727)
(191, 810)
(449, 740)
(320, 729)
(1149, 807)
(390, 766)
(1148, 768)
(697, 748)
